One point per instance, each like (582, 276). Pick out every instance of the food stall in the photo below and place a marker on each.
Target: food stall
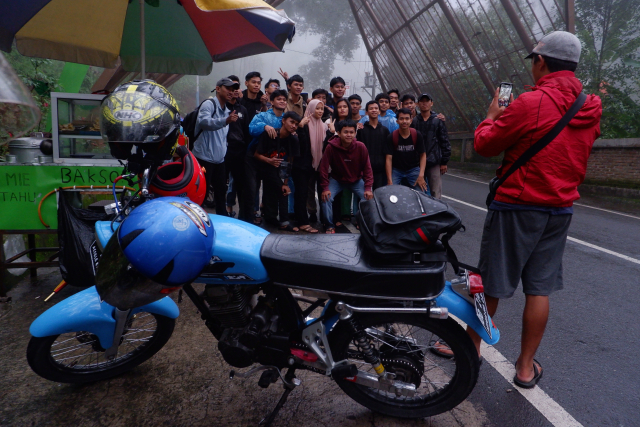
(74, 157)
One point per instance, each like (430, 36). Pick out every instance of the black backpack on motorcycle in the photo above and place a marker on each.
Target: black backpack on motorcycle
(399, 220)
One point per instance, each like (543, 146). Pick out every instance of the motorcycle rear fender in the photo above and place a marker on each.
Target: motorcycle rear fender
(84, 312)
(465, 311)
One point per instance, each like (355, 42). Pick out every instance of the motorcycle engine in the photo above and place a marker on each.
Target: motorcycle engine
(247, 321)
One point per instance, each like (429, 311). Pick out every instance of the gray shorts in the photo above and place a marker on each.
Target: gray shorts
(522, 244)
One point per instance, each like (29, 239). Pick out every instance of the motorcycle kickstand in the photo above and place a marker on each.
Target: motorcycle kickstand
(291, 378)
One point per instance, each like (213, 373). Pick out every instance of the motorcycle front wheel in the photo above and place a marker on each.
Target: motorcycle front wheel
(404, 344)
(78, 357)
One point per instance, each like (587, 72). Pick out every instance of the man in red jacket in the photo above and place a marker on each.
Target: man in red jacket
(526, 227)
(350, 167)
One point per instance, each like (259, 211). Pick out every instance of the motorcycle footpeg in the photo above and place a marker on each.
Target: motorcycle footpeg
(344, 371)
(268, 377)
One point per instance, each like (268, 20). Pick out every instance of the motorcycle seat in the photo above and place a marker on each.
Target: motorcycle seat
(341, 264)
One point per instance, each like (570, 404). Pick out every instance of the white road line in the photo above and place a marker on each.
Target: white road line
(607, 251)
(468, 179)
(540, 400)
(548, 407)
(465, 203)
(572, 239)
(577, 204)
(607, 210)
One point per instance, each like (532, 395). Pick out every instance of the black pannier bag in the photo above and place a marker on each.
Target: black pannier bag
(399, 220)
(79, 253)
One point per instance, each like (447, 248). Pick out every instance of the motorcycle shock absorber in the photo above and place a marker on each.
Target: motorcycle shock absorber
(362, 341)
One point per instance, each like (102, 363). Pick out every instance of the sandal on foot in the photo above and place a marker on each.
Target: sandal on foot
(537, 374)
(440, 348)
(289, 227)
(330, 230)
(309, 229)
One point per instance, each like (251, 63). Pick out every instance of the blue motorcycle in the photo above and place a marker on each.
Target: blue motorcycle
(275, 304)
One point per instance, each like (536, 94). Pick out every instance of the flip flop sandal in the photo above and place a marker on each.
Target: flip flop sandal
(289, 227)
(330, 231)
(536, 376)
(309, 229)
(441, 345)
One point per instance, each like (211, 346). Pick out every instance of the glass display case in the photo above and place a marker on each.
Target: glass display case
(76, 130)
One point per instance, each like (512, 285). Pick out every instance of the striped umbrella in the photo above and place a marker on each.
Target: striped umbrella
(182, 36)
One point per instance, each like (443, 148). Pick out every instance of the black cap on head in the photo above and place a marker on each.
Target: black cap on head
(425, 95)
(225, 81)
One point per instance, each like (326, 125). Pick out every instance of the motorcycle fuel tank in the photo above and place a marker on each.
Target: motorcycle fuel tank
(236, 254)
(235, 257)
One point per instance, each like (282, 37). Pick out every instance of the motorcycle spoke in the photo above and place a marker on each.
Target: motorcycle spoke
(395, 340)
(78, 354)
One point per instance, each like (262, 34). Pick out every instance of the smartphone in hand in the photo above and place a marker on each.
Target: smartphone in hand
(504, 96)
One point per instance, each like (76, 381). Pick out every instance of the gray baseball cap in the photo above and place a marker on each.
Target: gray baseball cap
(559, 45)
(225, 81)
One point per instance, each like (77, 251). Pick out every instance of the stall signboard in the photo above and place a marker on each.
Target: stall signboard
(22, 187)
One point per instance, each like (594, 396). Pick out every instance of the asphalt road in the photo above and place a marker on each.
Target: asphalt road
(590, 354)
(590, 351)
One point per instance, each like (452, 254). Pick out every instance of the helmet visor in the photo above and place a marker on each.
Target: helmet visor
(137, 117)
(120, 285)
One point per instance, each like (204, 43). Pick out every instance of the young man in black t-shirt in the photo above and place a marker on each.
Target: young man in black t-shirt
(405, 155)
(276, 157)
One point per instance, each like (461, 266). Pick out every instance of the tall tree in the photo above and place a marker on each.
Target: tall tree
(338, 32)
(610, 34)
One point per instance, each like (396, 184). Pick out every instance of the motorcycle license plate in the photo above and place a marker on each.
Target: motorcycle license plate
(482, 313)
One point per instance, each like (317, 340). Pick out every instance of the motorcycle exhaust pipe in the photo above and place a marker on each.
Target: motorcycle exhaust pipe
(398, 388)
(346, 311)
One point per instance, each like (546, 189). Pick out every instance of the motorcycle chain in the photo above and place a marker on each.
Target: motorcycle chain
(386, 361)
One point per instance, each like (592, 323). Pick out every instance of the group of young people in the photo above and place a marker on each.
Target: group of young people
(296, 146)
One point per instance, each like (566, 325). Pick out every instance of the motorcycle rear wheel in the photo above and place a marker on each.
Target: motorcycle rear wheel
(403, 343)
(77, 357)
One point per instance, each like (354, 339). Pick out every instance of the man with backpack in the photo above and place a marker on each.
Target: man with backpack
(210, 146)
(405, 155)
(436, 141)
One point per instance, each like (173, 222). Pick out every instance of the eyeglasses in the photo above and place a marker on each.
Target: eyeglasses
(275, 86)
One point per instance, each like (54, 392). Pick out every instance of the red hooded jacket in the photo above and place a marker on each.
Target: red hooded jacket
(552, 176)
(348, 165)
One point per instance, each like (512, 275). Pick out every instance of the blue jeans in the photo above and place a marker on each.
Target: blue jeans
(407, 178)
(335, 187)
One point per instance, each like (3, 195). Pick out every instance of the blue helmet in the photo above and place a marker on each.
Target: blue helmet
(163, 244)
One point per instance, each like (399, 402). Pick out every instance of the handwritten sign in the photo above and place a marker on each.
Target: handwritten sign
(22, 187)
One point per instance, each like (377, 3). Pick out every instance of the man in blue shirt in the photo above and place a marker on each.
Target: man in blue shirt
(387, 118)
(268, 122)
(211, 146)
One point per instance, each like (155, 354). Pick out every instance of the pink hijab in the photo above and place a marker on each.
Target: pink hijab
(317, 132)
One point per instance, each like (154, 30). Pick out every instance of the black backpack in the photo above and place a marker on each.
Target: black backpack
(189, 125)
(399, 220)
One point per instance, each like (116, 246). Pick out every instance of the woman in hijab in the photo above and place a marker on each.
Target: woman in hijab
(311, 134)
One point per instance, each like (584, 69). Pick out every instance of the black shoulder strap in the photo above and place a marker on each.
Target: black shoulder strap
(545, 140)
(198, 111)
